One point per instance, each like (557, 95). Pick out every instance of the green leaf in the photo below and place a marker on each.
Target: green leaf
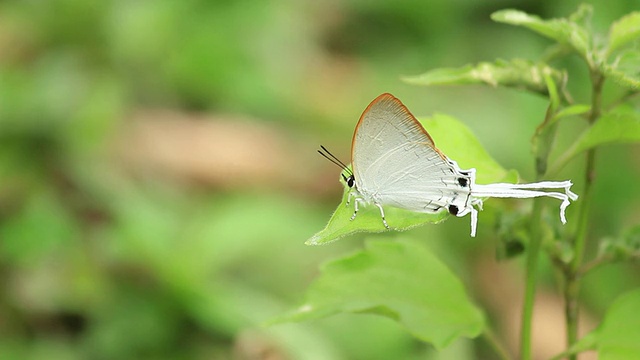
(623, 31)
(617, 336)
(552, 89)
(586, 343)
(401, 280)
(622, 248)
(577, 109)
(368, 220)
(516, 73)
(513, 232)
(563, 31)
(456, 141)
(621, 125)
(582, 15)
(625, 70)
(631, 239)
(542, 141)
(40, 228)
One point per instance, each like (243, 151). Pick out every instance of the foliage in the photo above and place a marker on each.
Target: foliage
(454, 139)
(396, 279)
(157, 179)
(355, 284)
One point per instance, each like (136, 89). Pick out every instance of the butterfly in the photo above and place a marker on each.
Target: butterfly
(394, 162)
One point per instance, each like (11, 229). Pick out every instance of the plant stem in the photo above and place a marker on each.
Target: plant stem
(495, 344)
(542, 145)
(571, 292)
(572, 283)
(531, 277)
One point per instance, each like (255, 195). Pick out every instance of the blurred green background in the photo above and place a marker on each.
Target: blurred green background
(158, 173)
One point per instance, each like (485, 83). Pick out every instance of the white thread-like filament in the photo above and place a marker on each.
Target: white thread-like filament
(523, 191)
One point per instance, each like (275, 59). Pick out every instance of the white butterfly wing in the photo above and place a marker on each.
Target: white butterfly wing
(395, 161)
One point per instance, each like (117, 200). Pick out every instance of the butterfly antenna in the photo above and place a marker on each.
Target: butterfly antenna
(329, 156)
(333, 156)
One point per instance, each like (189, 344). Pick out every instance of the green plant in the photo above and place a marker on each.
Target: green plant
(404, 281)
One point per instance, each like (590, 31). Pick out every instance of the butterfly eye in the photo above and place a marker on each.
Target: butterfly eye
(351, 181)
(453, 210)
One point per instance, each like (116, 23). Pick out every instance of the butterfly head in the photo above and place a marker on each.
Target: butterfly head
(350, 180)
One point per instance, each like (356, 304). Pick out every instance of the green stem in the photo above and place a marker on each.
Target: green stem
(583, 222)
(572, 283)
(571, 292)
(542, 145)
(533, 252)
(495, 344)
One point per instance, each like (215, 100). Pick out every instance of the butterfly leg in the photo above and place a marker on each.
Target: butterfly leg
(384, 221)
(355, 208)
(474, 220)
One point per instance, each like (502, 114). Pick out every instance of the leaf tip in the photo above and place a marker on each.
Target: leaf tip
(316, 239)
(507, 15)
(409, 79)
